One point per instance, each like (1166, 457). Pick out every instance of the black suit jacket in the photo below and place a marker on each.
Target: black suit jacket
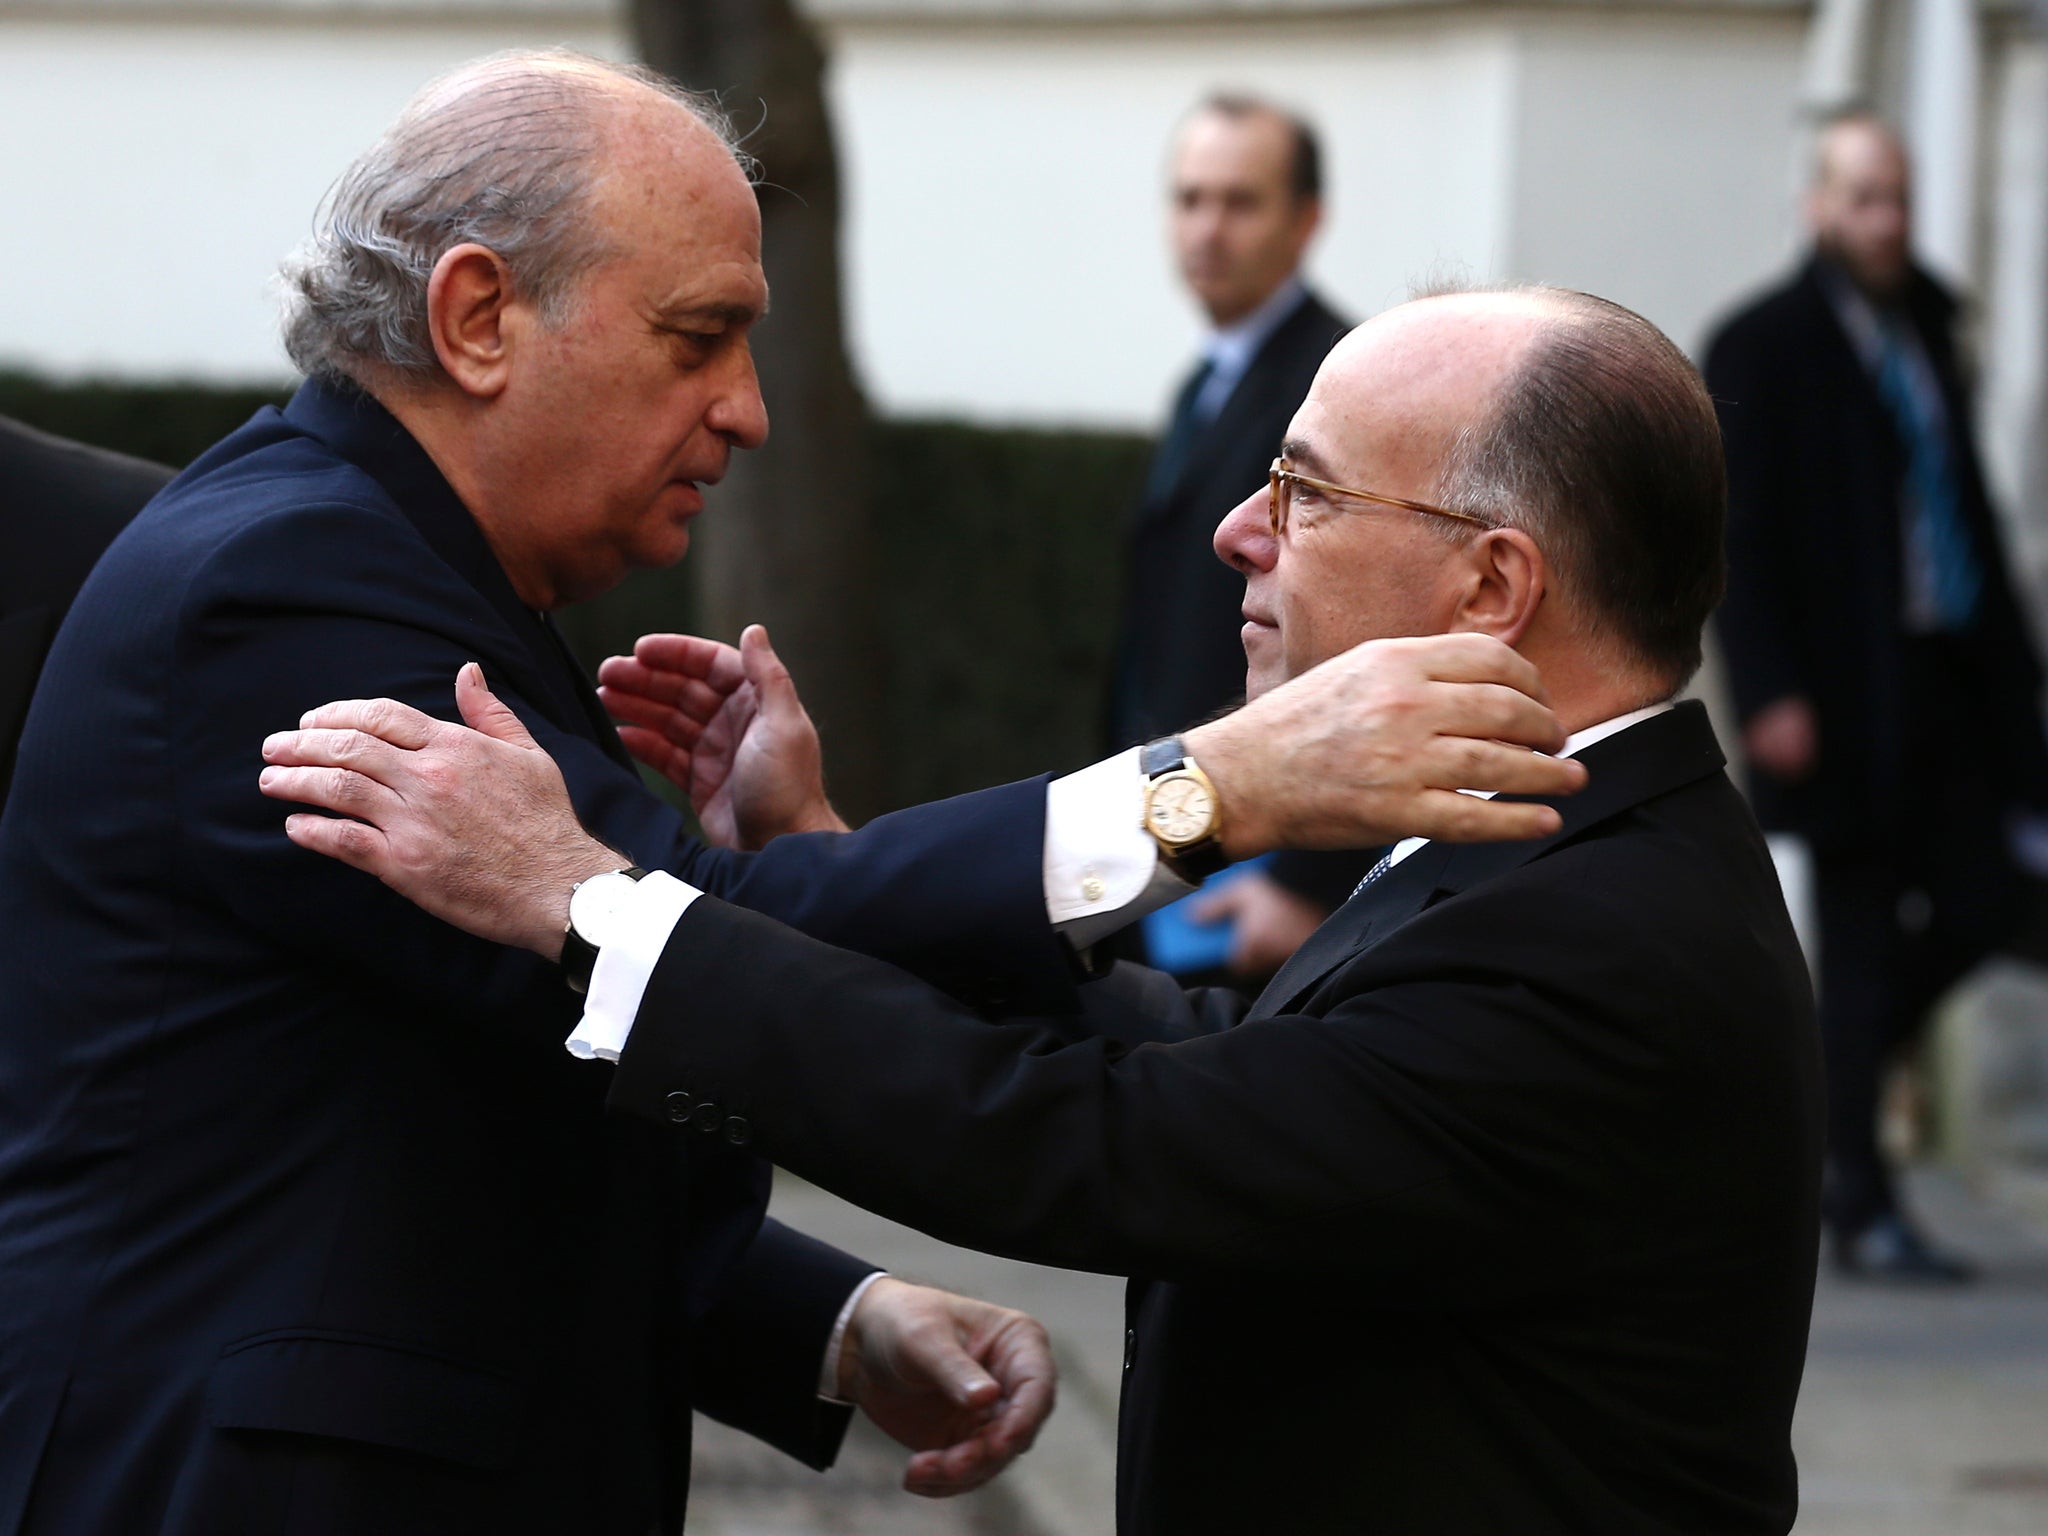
(1496, 1213)
(1180, 653)
(1814, 551)
(307, 1220)
(61, 503)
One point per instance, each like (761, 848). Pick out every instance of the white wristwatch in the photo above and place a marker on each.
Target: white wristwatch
(594, 907)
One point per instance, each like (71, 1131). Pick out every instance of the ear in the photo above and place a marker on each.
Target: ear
(1506, 578)
(474, 319)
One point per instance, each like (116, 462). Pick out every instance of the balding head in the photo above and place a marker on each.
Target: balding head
(509, 153)
(1419, 376)
(1576, 460)
(1859, 208)
(1602, 443)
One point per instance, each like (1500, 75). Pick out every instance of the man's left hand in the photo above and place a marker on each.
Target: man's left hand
(964, 1384)
(1268, 922)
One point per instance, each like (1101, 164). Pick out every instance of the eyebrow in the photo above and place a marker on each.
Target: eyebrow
(724, 314)
(1305, 458)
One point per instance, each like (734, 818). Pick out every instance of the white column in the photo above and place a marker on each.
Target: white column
(1944, 83)
(2014, 401)
(1836, 70)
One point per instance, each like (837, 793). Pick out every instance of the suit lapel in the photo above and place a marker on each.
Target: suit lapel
(1649, 759)
(1380, 908)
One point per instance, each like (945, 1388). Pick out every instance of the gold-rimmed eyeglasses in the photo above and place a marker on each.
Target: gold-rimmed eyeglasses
(1280, 481)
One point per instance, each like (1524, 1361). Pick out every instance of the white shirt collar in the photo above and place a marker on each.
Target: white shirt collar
(1578, 741)
(1231, 348)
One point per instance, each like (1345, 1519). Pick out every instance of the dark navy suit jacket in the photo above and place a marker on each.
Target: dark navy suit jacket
(307, 1221)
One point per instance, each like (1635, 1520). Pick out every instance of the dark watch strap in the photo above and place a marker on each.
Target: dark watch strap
(1161, 756)
(1198, 862)
(579, 955)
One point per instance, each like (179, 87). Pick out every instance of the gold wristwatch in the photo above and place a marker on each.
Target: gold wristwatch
(1182, 811)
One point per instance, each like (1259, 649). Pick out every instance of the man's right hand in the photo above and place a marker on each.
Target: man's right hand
(1374, 745)
(1783, 739)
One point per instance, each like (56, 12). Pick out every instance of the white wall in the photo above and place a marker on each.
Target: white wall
(1005, 236)
(1651, 160)
(1006, 241)
(156, 171)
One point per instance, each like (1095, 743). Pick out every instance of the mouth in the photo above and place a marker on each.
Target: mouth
(686, 496)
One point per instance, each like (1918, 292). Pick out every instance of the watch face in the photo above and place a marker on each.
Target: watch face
(1181, 810)
(592, 906)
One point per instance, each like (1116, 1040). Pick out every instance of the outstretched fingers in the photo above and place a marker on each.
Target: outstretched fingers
(679, 724)
(1496, 711)
(1475, 658)
(1500, 768)
(354, 843)
(399, 724)
(339, 747)
(692, 656)
(1451, 817)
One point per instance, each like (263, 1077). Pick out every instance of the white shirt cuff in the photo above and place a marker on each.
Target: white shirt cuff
(626, 957)
(1102, 868)
(828, 1372)
(1102, 872)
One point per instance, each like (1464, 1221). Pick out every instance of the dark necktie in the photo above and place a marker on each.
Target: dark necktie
(1937, 540)
(1179, 441)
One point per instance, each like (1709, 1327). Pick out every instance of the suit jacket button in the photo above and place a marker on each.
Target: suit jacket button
(1130, 1347)
(737, 1131)
(678, 1108)
(707, 1116)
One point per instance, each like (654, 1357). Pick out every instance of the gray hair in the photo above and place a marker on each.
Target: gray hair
(505, 152)
(1604, 448)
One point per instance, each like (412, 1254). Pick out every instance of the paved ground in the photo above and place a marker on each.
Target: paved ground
(1924, 1413)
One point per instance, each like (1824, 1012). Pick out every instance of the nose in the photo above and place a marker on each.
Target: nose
(738, 413)
(1244, 539)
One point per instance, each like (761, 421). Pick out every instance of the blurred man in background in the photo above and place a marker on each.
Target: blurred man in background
(1885, 679)
(1246, 200)
(61, 503)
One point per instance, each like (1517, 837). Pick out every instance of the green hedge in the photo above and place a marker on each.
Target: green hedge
(1000, 549)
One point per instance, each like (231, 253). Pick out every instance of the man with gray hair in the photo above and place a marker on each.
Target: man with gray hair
(307, 1222)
